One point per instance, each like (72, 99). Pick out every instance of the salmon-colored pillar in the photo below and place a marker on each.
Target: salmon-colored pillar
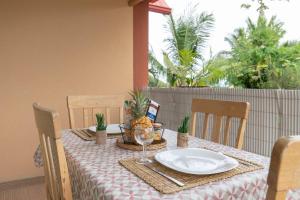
(140, 45)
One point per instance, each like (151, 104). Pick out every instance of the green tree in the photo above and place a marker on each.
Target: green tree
(182, 60)
(257, 59)
(287, 73)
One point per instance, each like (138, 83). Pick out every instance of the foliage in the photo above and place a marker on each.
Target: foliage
(184, 126)
(156, 69)
(258, 60)
(183, 63)
(262, 6)
(139, 104)
(156, 82)
(216, 65)
(100, 122)
(287, 74)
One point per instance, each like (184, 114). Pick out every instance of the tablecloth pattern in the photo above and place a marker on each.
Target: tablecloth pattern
(96, 174)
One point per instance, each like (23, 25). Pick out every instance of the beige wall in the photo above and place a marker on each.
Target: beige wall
(50, 49)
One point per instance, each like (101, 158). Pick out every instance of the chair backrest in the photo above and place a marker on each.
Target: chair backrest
(284, 172)
(89, 103)
(55, 165)
(220, 109)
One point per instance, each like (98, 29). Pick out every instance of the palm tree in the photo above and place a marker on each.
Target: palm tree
(182, 59)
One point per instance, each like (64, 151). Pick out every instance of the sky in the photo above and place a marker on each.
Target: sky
(228, 16)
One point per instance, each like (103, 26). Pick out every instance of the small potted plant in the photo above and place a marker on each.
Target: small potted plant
(182, 135)
(101, 134)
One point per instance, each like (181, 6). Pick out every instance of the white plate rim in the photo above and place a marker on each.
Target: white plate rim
(216, 171)
(93, 129)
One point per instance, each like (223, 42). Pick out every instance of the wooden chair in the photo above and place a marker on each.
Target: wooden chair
(55, 166)
(220, 109)
(90, 103)
(284, 172)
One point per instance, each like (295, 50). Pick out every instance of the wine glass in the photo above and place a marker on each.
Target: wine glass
(144, 137)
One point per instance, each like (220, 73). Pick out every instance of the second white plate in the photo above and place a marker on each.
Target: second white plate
(196, 161)
(110, 129)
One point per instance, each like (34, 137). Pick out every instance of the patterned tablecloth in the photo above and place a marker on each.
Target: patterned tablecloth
(96, 174)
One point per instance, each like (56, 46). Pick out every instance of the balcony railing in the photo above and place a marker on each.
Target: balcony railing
(273, 113)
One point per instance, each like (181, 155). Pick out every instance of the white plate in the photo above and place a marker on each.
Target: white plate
(110, 129)
(196, 161)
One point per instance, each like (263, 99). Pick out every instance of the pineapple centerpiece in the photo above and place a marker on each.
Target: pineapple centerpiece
(139, 121)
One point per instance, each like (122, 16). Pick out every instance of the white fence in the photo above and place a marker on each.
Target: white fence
(273, 113)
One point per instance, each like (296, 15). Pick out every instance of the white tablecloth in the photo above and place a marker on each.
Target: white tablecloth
(96, 174)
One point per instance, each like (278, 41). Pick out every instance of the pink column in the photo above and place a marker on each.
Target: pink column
(140, 45)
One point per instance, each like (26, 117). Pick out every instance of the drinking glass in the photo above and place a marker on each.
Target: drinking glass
(144, 137)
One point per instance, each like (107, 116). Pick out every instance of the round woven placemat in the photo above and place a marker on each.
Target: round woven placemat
(159, 145)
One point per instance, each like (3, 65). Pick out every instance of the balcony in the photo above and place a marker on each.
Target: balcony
(53, 49)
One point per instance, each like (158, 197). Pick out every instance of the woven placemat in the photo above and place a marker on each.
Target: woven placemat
(165, 186)
(88, 136)
(151, 147)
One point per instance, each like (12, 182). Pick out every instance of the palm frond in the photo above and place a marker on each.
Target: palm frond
(189, 32)
(172, 41)
(187, 36)
(155, 67)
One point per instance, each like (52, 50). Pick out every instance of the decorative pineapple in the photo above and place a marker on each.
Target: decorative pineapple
(139, 105)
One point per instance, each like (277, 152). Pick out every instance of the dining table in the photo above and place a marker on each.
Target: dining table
(96, 173)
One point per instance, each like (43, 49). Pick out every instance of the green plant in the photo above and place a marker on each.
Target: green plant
(183, 63)
(262, 6)
(100, 122)
(138, 104)
(184, 126)
(258, 58)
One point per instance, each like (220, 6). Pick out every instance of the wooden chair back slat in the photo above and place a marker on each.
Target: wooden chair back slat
(216, 128)
(205, 125)
(55, 165)
(86, 117)
(227, 129)
(89, 103)
(193, 121)
(220, 109)
(107, 110)
(50, 168)
(284, 169)
(71, 117)
(241, 132)
(47, 166)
